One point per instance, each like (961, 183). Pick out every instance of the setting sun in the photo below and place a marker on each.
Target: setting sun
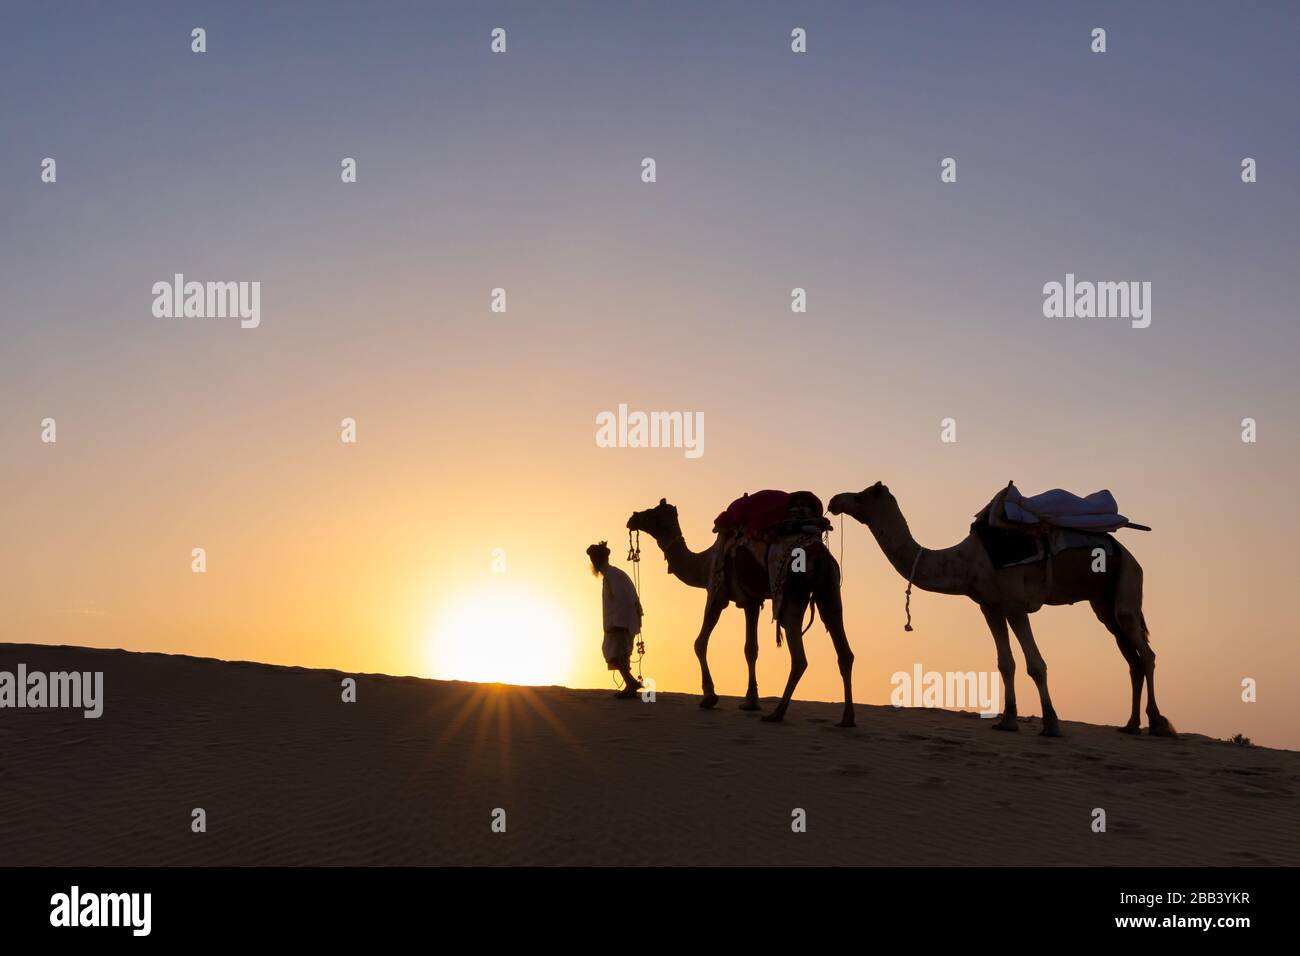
(502, 636)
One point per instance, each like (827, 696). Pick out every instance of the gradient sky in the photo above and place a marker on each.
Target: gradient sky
(522, 171)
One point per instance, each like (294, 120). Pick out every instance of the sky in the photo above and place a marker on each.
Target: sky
(523, 171)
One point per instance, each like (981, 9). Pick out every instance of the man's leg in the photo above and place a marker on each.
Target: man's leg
(631, 686)
(619, 657)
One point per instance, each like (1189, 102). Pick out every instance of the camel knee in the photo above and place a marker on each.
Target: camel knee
(701, 647)
(1037, 671)
(846, 661)
(1006, 664)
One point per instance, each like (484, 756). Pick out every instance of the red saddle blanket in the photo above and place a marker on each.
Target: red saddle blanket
(754, 515)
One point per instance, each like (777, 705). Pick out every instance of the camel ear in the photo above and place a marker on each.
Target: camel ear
(875, 489)
(662, 502)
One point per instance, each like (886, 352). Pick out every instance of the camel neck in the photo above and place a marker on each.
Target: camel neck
(938, 570)
(690, 567)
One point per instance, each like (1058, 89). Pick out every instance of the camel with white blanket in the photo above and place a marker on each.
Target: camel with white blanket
(1008, 595)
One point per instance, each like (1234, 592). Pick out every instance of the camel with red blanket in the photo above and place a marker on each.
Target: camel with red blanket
(768, 545)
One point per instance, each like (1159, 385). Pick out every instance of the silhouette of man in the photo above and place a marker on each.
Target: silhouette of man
(622, 617)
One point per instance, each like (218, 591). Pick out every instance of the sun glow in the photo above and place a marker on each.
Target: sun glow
(506, 636)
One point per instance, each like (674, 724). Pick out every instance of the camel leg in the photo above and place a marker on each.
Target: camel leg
(1136, 672)
(1037, 668)
(1134, 627)
(751, 657)
(832, 612)
(792, 624)
(712, 611)
(1131, 623)
(997, 623)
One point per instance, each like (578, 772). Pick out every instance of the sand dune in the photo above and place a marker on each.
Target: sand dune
(411, 773)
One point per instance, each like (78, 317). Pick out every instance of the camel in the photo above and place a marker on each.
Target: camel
(1010, 595)
(747, 585)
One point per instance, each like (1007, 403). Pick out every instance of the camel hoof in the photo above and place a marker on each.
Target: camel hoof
(772, 718)
(846, 722)
(750, 705)
(1051, 730)
(709, 702)
(1161, 727)
(1007, 723)
(1130, 728)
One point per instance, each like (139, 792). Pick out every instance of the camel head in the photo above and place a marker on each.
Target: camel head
(862, 505)
(658, 522)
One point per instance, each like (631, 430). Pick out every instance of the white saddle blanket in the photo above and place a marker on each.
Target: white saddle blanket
(1061, 509)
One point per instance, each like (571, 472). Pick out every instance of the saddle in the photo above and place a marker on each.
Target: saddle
(1017, 530)
(769, 515)
(770, 525)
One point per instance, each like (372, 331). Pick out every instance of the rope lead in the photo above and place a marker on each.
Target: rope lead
(634, 555)
(907, 595)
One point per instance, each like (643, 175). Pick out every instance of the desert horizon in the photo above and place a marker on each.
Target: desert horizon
(414, 772)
